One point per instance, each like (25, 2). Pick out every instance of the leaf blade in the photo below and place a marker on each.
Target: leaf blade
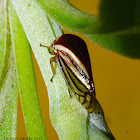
(126, 45)
(3, 33)
(26, 78)
(8, 79)
(72, 19)
(117, 15)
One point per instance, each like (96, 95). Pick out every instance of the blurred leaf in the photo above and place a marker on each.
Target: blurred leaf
(8, 79)
(3, 33)
(26, 79)
(118, 15)
(68, 16)
(122, 18)
(127, 45)
(113, 16)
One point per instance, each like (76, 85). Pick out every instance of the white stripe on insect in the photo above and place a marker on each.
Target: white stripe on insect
(72, 55)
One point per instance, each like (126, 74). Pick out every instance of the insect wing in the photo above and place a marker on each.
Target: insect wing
(80, 91)
(74, 62)
(78, 47)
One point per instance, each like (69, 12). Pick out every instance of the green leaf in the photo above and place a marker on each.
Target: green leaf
(127, 45)
(9, 101)
(123, 20)
(68, 116)
(97, 127)
(68, 16)
(26, 79)
(3, 33)
(113, 16)
(8, 79)
(118, 15)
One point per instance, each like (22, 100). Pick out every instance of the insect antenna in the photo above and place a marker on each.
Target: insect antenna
(49, 49)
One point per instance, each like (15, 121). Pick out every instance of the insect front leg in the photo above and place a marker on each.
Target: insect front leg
(48, 47)
(53, 59)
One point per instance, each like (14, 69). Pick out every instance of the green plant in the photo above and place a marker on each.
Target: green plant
(23, 21)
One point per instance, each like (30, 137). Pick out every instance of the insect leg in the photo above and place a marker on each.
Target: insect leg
(48, 47)
(52, 59)
(63, 71)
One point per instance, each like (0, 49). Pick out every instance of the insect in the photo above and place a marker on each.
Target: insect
(71, 54)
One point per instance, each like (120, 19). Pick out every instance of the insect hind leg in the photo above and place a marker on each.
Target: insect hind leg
(52, 59)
